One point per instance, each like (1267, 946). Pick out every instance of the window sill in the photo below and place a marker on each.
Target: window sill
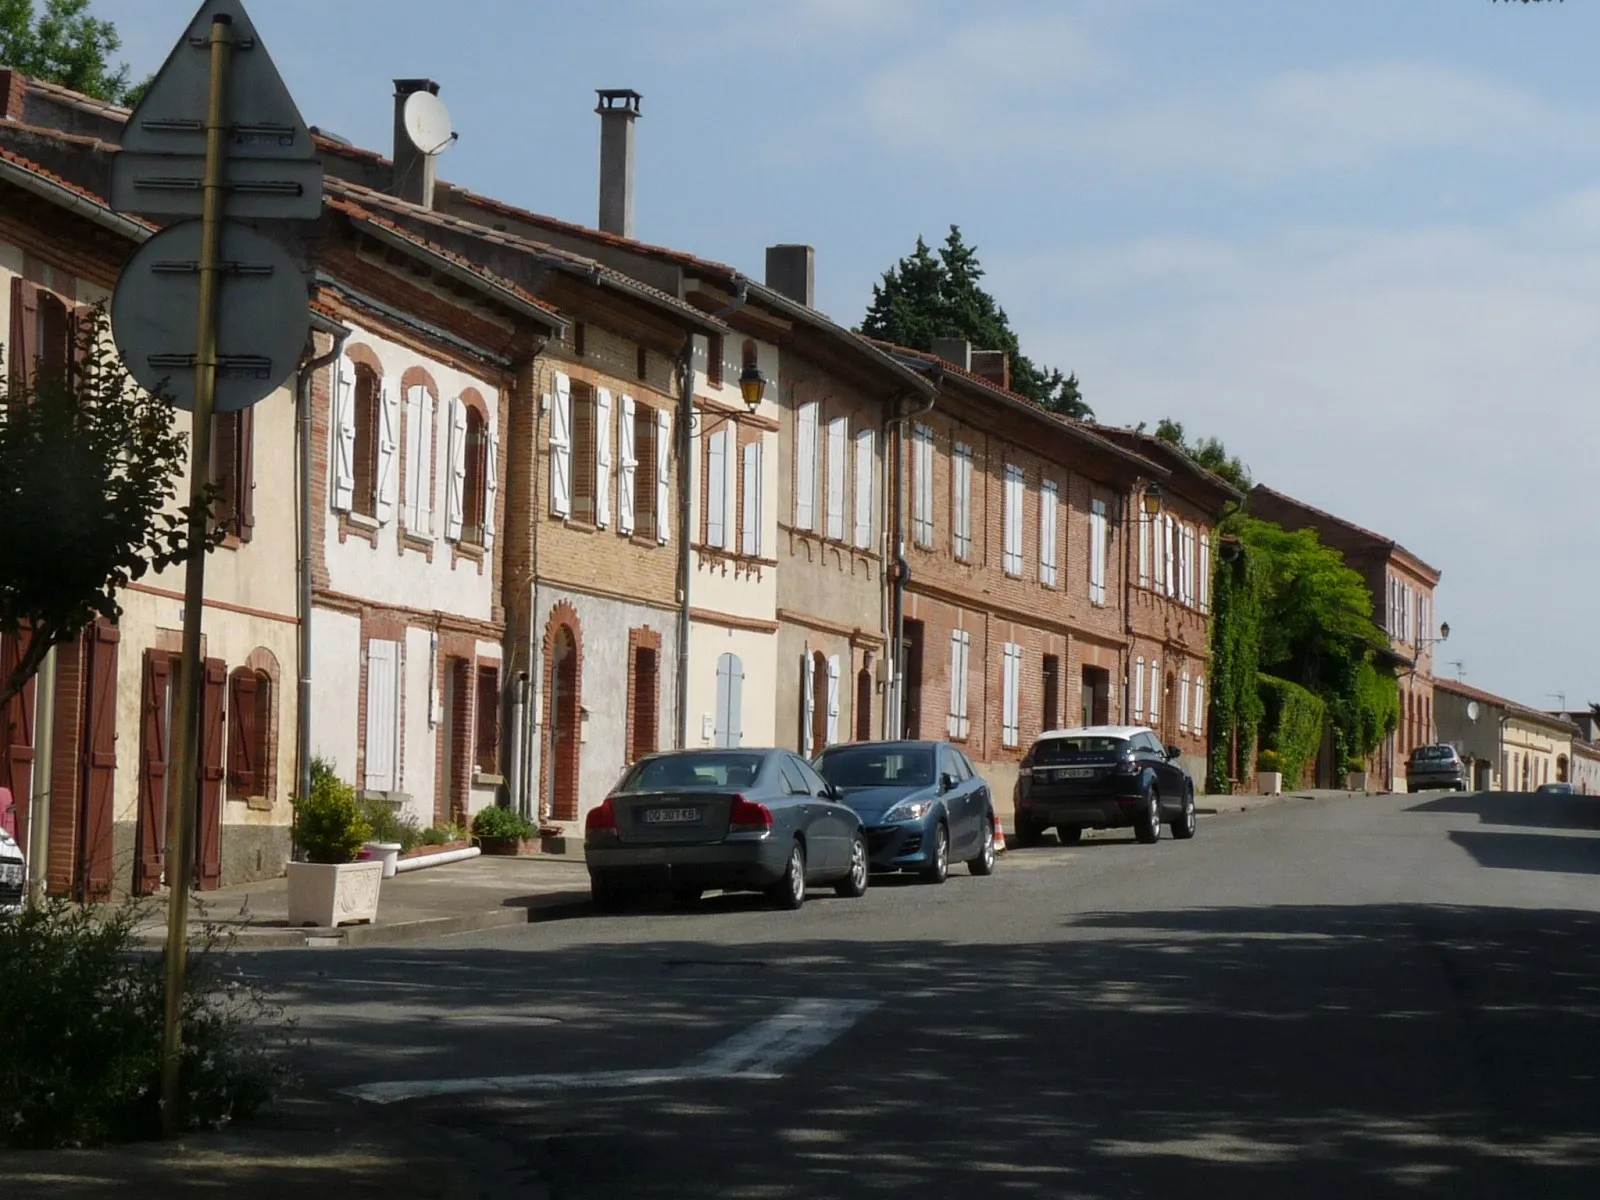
(485, 780)
(362, 521)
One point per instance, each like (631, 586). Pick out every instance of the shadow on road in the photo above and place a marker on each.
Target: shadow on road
(1235, 1052)
(1529, 809)
(1531, 852)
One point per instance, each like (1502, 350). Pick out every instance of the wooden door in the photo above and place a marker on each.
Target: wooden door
(155, 751)
(93, 869)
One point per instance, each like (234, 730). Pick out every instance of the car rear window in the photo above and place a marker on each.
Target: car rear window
(1100, 748)
(869, 766)
(1434, 753)
(731, 770)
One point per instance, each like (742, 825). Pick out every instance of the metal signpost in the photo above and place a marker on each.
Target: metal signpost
(215, 315)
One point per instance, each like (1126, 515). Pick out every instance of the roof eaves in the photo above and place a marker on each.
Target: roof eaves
(32, 177)
(865, 347)
(1174, 453)
(1386, 543)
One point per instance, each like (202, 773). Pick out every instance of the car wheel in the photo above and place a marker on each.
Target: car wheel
(790, 891)
(984, 863)
(1028, 834)
(607, 895)
(685, 895)
(938, 868)
(855, 883)
(1069, 835)
(1148, 828)
(1183, 828)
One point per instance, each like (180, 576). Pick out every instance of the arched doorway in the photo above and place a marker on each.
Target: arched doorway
(563, 709)
(1561, 768)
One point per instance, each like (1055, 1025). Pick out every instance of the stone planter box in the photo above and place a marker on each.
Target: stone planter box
(445, 848)
(1356, 781)
(508, 847)
(328, 895)
(1270, 783)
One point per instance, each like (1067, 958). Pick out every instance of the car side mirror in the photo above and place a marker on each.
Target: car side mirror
(1173, 754)
(947, 782)
(833, 792)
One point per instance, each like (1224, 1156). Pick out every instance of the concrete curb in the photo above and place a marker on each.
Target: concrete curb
(554, 906)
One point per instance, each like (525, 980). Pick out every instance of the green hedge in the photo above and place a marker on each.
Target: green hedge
(1292, 725)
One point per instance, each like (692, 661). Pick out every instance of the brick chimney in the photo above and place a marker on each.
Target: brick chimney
(792, 272)
(415, 173)
(956, 351)
(13, 94)
(619, 110)
(993, 365)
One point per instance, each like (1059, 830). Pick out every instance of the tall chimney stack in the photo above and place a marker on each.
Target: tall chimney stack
(792, 272)
(415, 172)
(955, 351)
(618, 109)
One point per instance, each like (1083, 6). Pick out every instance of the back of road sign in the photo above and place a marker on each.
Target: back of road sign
(272, 172)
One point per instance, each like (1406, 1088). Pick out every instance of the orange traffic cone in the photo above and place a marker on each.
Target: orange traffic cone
(999, 835)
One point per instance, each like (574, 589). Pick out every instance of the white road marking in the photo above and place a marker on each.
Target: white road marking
(759, 1053)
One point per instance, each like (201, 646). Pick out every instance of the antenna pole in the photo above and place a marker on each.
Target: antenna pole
(179, 857)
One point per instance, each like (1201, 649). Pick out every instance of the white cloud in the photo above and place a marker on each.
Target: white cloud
(1438, 386)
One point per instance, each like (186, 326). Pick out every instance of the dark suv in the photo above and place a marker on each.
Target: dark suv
(1432, 768)
(1103, 777)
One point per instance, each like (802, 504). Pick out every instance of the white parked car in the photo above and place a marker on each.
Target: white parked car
(13, 869)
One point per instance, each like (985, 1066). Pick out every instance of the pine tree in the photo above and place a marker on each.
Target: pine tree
(926, 296)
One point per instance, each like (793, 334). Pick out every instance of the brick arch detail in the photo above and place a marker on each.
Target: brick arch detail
(418, 377)
(563, 792)
(362, 355)
(473, 398)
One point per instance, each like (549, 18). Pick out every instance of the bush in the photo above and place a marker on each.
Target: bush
(439, 835)
(82, 1011)
(497, 822)
(1292, 725)
(328, 825)
(389, 825)
(1268, 760)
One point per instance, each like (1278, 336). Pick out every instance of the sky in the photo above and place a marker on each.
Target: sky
(1359, 242)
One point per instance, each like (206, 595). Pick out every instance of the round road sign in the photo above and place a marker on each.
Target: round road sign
(263, 315)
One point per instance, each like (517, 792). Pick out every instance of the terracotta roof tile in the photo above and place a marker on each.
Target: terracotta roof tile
(33, 168)
(1456, 687)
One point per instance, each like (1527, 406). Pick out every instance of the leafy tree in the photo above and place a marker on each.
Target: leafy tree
(65, 44)
(1210, 453)
(89, 463)
(929, 295)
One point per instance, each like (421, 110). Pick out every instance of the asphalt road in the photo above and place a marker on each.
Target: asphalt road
(1384, 997)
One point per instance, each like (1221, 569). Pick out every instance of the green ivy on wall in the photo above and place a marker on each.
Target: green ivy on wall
(1236, 707)
(1292, 725)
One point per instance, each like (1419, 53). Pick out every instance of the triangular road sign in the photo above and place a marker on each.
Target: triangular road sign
(273, 165)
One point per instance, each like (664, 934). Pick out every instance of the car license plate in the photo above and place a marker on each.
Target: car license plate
(671, 816)
(1078, 773)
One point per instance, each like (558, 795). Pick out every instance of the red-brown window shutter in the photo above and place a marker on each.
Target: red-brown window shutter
(245, 475)
(242, 744)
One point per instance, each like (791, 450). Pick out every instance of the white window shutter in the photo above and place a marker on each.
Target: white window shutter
(1144, 550)
(833, 699)
(805, 467)
(838, 438)
(1138, 688)
(865, 457)
(1155, 691)
(382, 716)
(966, 678)
(1049, 519)
(1011, 704)
(1183, 702)
(1205, 572)
(1199, 721)
(344, 437)
(1170, 551)
(751, 537)
(663, 486)
(425, 455)
(387, 486)
(716, 484)
(955, 683)
(808, 701)
(416, 484)
(602, 458)
(628, 467)
(922, 485)
(561, 447)
(730, 490)
(961, 500)
(456, 484)
(491, 483)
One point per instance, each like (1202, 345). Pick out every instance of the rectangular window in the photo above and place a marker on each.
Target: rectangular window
(1015, 490)
(1011, 731)
(1155, 691)
(838, 441)
(865, 455)
(579, 341)
(1188, 565)
(722, 466)
(486, 732)
(1049, 507)
(805, 466)
(1205, 572)
(1098, 552)
(750, 511)
(584, 462)
(1199, 721)
(382, 772)
(642, 364)
(233, 472)
(1183, 703)
(1050, 713)
(714, 374)
(1144, 550)
(1158, 558)
(644, 694)
(961, 501)
(642, 473)
(1138, 689)
(922, 481)
(960, 661)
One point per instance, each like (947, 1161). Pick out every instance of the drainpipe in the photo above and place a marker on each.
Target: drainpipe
(685, 437)
(44, 707)
(894, 712)
(308, 372)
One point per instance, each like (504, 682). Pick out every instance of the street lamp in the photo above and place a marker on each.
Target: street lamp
(1426, 643)
(752, 386)
(1152, 500)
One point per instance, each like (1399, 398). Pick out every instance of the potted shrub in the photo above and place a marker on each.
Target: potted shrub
(1269, 773)
(1355, 774)
(501, 831)
(331, 887)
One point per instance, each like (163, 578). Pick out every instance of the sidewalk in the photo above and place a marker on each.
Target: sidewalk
(479, 893)
(305, 1144)
(1213, 805)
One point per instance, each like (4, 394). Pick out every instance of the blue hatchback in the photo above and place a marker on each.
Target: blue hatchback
(921, 805)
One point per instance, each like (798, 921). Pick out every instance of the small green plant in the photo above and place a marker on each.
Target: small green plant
(328, 824)
(440, 835)
(82, 1005)
(497, 822)
(1269, 760)
(390, 825)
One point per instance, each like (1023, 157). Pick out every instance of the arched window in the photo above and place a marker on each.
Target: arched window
(364, 461)
(473, 502)
(250, 734)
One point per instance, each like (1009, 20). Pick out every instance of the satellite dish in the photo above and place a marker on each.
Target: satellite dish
(1472, 710)
(427, 123)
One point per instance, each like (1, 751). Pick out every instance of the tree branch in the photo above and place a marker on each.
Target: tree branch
(41, 640)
